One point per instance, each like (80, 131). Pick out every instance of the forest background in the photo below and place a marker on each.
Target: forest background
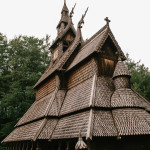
(22, 61)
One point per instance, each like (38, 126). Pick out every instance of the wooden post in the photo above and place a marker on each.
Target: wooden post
(67, 148)
(16, 146)
(32, 146)
(27, 146)
(7, 146)
(89, 145)
(23, 146)
(60, 144)
(19, 148)
(13, 146)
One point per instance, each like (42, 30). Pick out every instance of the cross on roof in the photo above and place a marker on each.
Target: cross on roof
(107, 20)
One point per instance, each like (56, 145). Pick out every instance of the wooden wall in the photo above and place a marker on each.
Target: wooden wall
(45, 89)
(108, 59)
(137, 142)
(82, 73)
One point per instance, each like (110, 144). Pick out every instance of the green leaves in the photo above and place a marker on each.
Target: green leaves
(140, 77)
(22, 61)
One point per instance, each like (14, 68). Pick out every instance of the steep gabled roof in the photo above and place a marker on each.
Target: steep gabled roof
(63, 59)
(94, 44)
(63, 33)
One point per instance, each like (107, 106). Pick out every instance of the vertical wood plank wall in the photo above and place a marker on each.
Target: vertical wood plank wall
(83, 73)
(45, 89)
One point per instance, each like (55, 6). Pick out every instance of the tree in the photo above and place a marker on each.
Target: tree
(140, 77)
(23, 61)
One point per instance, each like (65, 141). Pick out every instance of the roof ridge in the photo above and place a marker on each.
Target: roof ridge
(93, 36)
(92, 39)
(53, 98)
(116, 44)
(40, 129)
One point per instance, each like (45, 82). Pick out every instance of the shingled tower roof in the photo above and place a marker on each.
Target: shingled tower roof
(121, 69)
(64, 14)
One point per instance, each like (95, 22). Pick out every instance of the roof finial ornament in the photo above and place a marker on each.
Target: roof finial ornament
(119, 58)
(80, 144)
(107, 20)
(64, 1)
(72, 11)
(82, 19)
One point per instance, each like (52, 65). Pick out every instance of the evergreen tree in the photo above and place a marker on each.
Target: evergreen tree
(140, 77)
(23, 60)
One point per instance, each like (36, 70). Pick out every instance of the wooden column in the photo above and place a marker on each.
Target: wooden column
(16, 146)
(67, 147)
(23, 146)
(32, 146)
(59, 146)
(89, 145)
(27, 146)
(19, 148)
(7, 146)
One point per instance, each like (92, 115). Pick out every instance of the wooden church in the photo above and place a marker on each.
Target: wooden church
(84, 99)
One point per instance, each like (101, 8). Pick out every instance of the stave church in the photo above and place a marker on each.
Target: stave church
(84, 99)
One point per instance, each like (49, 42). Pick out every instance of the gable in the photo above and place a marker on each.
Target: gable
(108, 58)
(109, 50)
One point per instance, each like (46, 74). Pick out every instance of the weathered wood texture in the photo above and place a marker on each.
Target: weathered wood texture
(108, 59)
(83, 73)
(45, 89)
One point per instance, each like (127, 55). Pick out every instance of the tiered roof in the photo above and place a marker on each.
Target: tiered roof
(100, 106)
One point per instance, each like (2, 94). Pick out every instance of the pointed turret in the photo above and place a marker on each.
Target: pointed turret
(121, 69)
(121, 75)
(64, 18)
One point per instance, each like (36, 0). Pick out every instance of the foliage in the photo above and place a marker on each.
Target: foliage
(140, 77)
(22, 62)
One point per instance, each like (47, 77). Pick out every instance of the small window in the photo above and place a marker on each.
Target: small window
(55, 55)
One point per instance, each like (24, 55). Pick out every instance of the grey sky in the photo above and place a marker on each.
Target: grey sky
(130, 21)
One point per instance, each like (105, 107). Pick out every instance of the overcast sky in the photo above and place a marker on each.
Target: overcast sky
(130, 21)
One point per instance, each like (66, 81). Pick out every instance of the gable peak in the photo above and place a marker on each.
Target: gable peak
(65, 8)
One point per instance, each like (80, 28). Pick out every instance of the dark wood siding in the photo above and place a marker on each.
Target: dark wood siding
(83, 73)
(45, 89)
(108, 59)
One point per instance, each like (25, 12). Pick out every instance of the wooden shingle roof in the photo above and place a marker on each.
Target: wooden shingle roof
(121, 70)
(94, 44)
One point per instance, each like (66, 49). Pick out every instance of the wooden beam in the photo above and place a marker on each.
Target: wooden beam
(67, 148)
(23, 146)
(27, 146)
(93, 90)
(39, 130)
(90, 126)
(32, 146)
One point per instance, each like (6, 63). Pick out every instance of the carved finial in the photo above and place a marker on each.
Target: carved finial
(80, 144)
(82, 19)
(72, 11)
(64, 1)
(119, 58)
(107, 20)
